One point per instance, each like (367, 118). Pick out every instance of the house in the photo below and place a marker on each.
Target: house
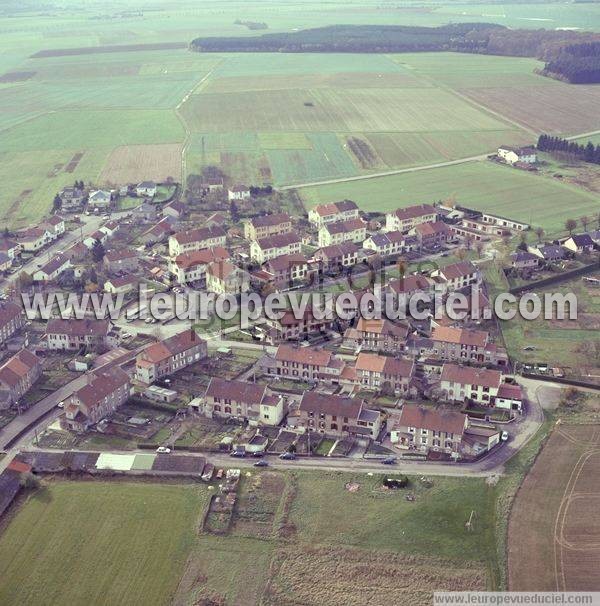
(110, 228)
(274, 246)
(52, 269)
(212, 183)
(550, 253)
(405, 219)
(510, 397)
(104, 393)
(217, 219)
(5, 262)
(168, 356)
(523, 259)
(290, 328)
(123, 259)
(384, 373)
(309, 364)
(377, 335)
(238, 192)
(337, 416)
(336, 257)
(158, 232)
(424, 429)
(145, 212)
(267, 225)
(71, 199)
(351, 230)
(99, 199)
(55, 226)
(512, 155)
(11, 320)
(146, 189)
(330, 213)
(466, 345)
(196, 239)
(243, 401)
(34, 239)
(431, 235)
(191, 267)
(17, 376)
(386, 244)
(504, 222)
(121, 284)
(287, 269)
(176, 210)
(579, 243)
(222, 277)
(406, 287)
(73, 335)
(462, 383)
(92, 239)
(10, 248)
(458, 275)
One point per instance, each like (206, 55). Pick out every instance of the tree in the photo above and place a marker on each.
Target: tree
(401, 264)
(479, 248)
(539, 232)
(57, 203)
(584, 222)
(98, 251)
(570, 225)
(28, 481)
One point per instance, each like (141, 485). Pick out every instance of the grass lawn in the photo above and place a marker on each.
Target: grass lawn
(93, 542)
(483, 185)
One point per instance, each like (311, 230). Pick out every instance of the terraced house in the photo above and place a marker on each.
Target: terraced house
(104, 392)
(190, 267)
(458, 275)
(166, 357)
(267, 225)
(287, 269)
(351, 230)
(275, 246)
(330, 213)
(11, 320)
(387, 244)
(338, 256)
(70, 335)
(17, 376)
(196, 239)
(377, 335)
(466, 345)
(243, 401)
(405, 219)
(461, 383)
(384, 373)
(307, 364)
(337, 416)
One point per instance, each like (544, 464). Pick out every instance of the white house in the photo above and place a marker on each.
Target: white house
(99, 198)
(146, 189)
(512, 155)
(238, 192)
(52, 269)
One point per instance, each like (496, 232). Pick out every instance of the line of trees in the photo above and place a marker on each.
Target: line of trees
(576, 63)
(587, 153)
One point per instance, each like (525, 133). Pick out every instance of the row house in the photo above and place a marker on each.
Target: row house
(243, 401)
(351, 230)
(188, 268)
(196, 239)
(291, 328)
(34, 239)
(309, 364)
(465, 345)
(377, 335)
(17, 376)
(337, 257)
(406, 287)
(331, 213)
(11, 320)
(504, 222)
(458, 275)
(431, 235)
(337, 416)
(405, 219)
(52, 269)
(267, 225)
(423, 429)
(223, 277)
(274, 246)
(73, 335)
(461, 383)
(159, 232)
(170, 355)
(101, 396)
(287, 269)
(388, 243)
(124, 259)
(385, 373)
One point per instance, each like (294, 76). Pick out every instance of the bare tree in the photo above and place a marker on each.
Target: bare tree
(539, 232)
(584, 222)
(570, 225)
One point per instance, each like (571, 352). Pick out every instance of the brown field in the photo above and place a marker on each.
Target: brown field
(74, 161)
(352, 577)
(107, 48)
(16, 76)
(554, 527)
(564, 109)
(134, 163)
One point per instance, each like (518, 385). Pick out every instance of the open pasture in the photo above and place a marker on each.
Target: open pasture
(556, 547)
(481, 185)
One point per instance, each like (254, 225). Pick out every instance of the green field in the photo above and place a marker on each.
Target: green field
(481, 185)
(92, 542)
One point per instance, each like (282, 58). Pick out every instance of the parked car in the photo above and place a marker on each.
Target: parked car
(60, 405)
(504, 436)
(261, 463)
(163, 450)
(389, 461)
(240, 454)
(287, 456)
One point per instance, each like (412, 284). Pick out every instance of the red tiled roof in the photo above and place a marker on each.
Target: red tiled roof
(468, 375)
(239, 391)
(278, 240)
(201, 257)
(270, 220)
(100, 385)
(434, 420)
(341, 406)
(457, 270)
(198, 235)
(460, 336)
(303, 355)
(77, 327)
(412, 212)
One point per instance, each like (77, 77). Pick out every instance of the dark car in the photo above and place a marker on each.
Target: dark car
(261, 463)
(389, 461)
(240, 454)
(258, 455)
(287, 456)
